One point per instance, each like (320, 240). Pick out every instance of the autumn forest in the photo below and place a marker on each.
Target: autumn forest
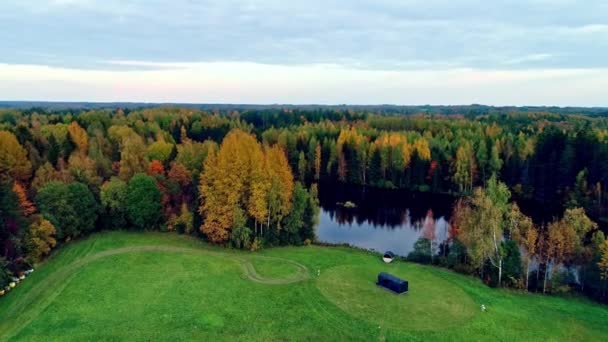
(530, 187)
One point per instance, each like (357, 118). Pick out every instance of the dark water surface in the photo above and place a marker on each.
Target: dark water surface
(382, 219)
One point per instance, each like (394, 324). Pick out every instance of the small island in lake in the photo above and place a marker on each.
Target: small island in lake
(347, 204)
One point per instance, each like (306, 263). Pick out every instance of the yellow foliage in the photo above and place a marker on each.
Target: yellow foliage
(422, 148)
(79, 137)
(350, 136)
(132, 157)
(40, 238)
(280, 173)
(13, 158)
(243, 175)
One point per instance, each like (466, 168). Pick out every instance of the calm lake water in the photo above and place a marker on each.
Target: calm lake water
(382, 219)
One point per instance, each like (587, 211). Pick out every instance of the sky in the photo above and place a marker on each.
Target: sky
(534, 52)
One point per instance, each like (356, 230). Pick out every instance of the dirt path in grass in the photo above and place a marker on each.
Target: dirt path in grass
(248, 269)
(32, 303)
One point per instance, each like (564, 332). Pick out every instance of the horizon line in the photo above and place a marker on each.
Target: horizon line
(161, 103)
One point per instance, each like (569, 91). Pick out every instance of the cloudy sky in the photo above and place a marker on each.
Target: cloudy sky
(534, 52)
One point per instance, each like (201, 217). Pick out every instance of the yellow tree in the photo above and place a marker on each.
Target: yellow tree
(394, 151)
(317, 161)
(348, 144)
(406, 154)
(559, 243)
(242, 177)
(579, 225)
(132, 157)
(464, 166)
(481, 221)
(281, 184)
(79, 137)
(260, 184)
(465, 224)
(211, 208)
(421, 146)
(14, 163)
(226, 182)
(525, 234)
(40, 238)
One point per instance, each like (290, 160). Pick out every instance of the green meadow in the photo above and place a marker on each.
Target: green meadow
(155, 286)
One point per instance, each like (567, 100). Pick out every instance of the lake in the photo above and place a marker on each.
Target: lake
(382, 219)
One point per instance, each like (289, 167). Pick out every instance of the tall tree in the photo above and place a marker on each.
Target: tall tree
(54, 150)
(14, 163)
(12, 223)
(281, 185)
(482, 159)
(27, 207)
(40, 238)
(482, 221)
(132, 157)
(495, 163)
(464, 168)
(143, 201)
(114, 202)
(526, 234)
(226, 182)
(302, 167)
(79, 137)
(246, 177)
(294, 221)
(317, 162)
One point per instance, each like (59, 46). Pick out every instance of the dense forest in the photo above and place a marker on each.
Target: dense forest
(248, 178)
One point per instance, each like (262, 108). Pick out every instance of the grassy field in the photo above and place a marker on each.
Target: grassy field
(153, 286)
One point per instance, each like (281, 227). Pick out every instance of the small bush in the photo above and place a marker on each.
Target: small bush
(255, 245)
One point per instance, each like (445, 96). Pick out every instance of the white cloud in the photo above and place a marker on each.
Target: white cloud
(536, 57)
(591, 29)
(326, 84)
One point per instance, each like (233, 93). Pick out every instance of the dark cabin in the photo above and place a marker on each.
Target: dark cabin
(392, 283)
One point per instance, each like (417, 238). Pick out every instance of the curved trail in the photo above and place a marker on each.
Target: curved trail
(245, 262)
(20, 313)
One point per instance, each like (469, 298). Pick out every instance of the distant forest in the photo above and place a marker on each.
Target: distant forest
(247, 175)
(468, 110)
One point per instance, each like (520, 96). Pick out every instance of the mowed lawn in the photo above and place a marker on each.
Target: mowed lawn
(155, 286)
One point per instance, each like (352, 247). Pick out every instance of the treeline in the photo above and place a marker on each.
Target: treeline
(492, 238)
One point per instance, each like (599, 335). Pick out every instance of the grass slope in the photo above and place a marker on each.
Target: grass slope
(153, 286)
